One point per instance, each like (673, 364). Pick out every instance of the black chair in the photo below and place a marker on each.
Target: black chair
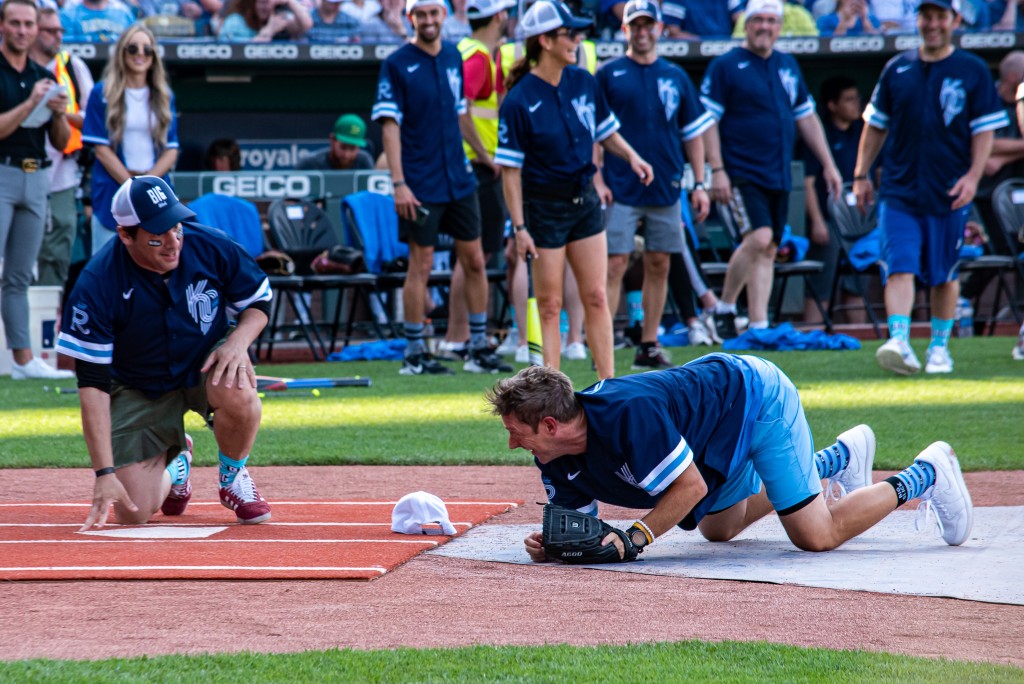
(1008, 205)
(848, 224)
(301, 229)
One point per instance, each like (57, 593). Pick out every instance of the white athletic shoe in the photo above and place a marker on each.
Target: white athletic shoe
(575, 351)
(1018, 349)
(699, 336)
(939, 360)
(523, 354)
(37, 369)
(509, 345)
(708, 319)
(898, 356)
(948, 498)
(860, 442)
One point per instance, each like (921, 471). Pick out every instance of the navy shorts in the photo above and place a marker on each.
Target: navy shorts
(460, 219)
(492, 209)
(923, 244)
(553, 223)
(754, 207)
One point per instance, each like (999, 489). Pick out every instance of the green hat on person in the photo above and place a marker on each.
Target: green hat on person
(350, 129)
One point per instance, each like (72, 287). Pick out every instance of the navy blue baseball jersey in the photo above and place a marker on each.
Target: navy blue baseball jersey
(931, 110)
(704, 18)
(644, 430)
(423, 95)
(154, 331)
(550, 132)
(757, 103)
(656, 105)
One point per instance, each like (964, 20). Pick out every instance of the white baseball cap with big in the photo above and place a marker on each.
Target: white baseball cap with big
(764, 7)
(548, 15)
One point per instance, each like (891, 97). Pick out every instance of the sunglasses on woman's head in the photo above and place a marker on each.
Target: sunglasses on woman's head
(134, 49)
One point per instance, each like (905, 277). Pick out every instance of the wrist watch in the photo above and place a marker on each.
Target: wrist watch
(633, 531)
(521, 227)
(699, 186)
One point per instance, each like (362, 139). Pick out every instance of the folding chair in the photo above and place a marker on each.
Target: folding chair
(848, 224)
(238, 218)
(1008, 204)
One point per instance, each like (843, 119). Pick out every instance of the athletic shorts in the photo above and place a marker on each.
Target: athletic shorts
(781, 448)
(459, 219)
(492, 209)
(663, 228)
(143, 428)
(923, 244)
(754, 207)
(554, 223)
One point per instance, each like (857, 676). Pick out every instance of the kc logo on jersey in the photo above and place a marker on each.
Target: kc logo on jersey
(202, 304)
(789, 83)
(586, 111)
(669, 96)
(952, 98)
(455, 83)
(626, 475)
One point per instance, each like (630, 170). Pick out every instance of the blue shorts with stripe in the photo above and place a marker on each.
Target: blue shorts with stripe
(781, 448)
(926, 245)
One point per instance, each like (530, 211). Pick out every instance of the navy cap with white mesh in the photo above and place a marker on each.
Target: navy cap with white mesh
(148, 202)
(641, 8)
(548, 15)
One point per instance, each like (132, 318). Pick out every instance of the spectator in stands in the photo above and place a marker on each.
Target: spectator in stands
(940, 105)
(131, 122)
(420, 102)
(896, 16)
(95, 20)
(611, 12)
(456, 25)
(696, 19)
(796, 21)
(850, 18)
(224, 154)
(23, 185)
(261, 21)
(760, 100)
(347, 149)
(661, 113)
(841, 119)
(380, 21)
(331, 24)
(1007, 19)
(65, 176)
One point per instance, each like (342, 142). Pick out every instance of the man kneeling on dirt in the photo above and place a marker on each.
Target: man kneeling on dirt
(147, 323)
(696, 443)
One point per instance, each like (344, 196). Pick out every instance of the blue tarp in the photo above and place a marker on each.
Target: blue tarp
(784, 337)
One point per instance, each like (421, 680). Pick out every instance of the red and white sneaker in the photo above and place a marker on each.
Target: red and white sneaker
(177, 499)
(244, 499)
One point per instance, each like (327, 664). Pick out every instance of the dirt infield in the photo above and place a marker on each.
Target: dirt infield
(434, 601)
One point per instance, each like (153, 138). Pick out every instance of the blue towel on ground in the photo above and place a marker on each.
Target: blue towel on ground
(385, 350)
(784, 337)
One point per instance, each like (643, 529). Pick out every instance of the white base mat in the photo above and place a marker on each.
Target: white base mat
(891, 558)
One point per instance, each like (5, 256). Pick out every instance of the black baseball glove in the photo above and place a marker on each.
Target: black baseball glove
(574, 537)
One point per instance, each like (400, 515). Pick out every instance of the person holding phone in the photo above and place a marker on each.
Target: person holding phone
(24, 184)
(552, 116)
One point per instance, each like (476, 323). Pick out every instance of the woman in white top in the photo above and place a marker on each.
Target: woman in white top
(130, 122)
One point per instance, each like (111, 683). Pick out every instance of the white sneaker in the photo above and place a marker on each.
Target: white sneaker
(948, 498)
(1018, 350)
(509, 345)
(523, 354)
(575, 351)
(699, 336)
(860, 442)
(897, 356)
(708, 319)
(939, 360)
(36, 369)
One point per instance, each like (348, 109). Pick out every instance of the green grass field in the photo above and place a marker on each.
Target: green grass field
(443, 421)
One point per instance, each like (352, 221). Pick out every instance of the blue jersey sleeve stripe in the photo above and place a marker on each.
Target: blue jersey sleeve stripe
(86, 351)
(388, 110)
(804, 110)
(713, 107)
(698, 126)
(462, 107)
(674, 11)
(876, 118)
(263, 294)
(607, 128)
(681, 463)
(990, 122)
(656, 479)
(506, 157)
(95, 140)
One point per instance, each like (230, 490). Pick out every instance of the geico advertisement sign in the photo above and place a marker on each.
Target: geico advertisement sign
(203, 51)
(271, 51)
(857, 44)
(974, 41)
(263, 186)
(798, 46)
(339, 52)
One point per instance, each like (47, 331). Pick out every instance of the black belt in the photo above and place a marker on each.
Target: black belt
(26, 164)
(569, 192)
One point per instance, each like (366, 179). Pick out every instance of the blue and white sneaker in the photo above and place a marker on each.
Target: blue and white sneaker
(897, 356)
(860, 443)
(939, 360)
(948, 499)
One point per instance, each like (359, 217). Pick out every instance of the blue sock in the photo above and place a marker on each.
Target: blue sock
(899, 327)
(940, 332)
(635, 307)
(229, 468)
(414, 338)
(179, 469)
(478, 330)
(832, 460)
(912, 482)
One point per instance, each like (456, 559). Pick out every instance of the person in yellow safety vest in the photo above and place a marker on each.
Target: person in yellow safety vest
(488, 20)
(71, 72)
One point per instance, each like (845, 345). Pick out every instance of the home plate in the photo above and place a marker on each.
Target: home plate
(156, 532)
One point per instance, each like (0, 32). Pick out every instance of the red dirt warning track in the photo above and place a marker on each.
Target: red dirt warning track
(305, 540)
